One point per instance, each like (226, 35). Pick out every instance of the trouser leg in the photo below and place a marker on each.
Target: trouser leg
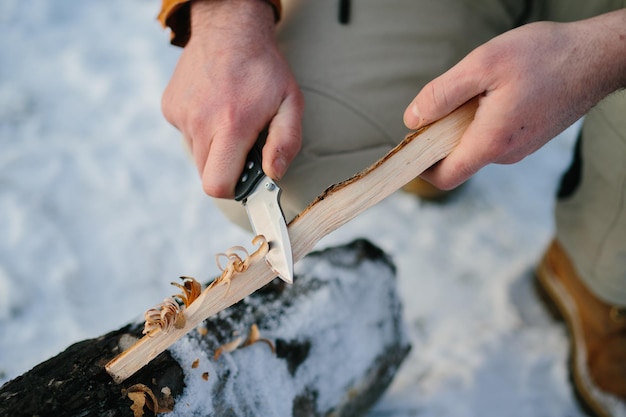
(571, 10)
(357, 78)
(591, 216)
(591, 208)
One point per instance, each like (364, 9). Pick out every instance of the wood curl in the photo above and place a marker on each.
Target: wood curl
(170, 313)
(191, 290)
(238, 260)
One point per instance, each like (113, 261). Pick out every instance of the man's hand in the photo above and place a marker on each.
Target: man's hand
(532, 83)
(229, 84)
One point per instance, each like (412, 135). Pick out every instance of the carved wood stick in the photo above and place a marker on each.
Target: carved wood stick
(342, 202)
(333, 208)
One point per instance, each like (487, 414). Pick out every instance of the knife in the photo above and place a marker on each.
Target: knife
(260, 195)
(337, 205)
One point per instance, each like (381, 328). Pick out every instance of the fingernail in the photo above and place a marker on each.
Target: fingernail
(416, 113)
(280, 166)
(413, 117)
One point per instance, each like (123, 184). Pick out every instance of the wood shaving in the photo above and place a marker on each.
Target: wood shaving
(191, 290)
(202, 331)
(142, 396)
(164, 317)
(228, 347)
(254, 336)
(139, 401)
(235, 263)
(205, 376)
(170, 313)
(195, 364)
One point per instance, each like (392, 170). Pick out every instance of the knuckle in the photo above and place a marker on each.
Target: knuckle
(439, 95)
(291, 141)
(168, 109)
(196, 125)
(216, 189)
(298, 98)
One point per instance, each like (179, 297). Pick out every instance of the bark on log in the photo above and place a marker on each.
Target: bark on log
(338, 336)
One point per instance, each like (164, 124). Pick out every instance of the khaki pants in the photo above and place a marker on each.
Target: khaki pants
(358, 78)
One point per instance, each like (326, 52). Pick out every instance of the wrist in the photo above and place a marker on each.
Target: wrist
(233, 15)
(176, 14)
(607, 35)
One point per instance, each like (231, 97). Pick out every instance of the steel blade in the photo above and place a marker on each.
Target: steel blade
(267, 219)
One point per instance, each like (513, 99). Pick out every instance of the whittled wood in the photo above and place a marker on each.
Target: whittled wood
(344, 201)
(333, 208)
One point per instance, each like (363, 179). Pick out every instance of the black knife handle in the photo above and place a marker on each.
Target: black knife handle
(253, 170)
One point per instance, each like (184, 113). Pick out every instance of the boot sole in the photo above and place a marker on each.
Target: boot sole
(563, 307)
(556, 315)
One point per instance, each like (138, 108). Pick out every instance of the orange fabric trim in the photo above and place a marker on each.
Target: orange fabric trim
(175, 14)
(167, 8)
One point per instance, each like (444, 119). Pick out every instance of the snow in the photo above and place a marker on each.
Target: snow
(254, 380)
(100, 208)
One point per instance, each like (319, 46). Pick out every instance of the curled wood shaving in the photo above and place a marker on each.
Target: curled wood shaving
(142, 396)
(227, 347)
(139, 401)
(191, 290)
(170, 313)
(254, 336)
(164, 317)
(235, 263)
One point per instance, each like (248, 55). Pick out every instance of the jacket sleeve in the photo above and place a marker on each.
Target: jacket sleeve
(175, 14)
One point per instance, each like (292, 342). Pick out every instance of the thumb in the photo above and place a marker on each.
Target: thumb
(284, 137)
(465, 160)
(441, 97)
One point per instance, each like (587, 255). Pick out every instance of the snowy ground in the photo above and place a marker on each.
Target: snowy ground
(100, 209)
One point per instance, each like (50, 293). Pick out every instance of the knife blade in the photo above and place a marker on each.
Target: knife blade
(260, 196)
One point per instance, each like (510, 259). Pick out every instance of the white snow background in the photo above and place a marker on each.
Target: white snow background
(100, 208)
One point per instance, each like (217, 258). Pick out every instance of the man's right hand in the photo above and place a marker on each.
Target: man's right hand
(231, 82)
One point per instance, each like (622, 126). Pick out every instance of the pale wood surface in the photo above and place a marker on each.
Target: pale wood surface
(336, 206)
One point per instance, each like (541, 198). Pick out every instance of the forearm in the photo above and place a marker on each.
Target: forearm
(606, 36)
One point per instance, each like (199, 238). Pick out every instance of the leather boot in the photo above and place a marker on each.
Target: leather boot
(425, 190)
(597, 333)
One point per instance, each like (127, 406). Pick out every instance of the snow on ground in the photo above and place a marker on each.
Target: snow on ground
(100, 208)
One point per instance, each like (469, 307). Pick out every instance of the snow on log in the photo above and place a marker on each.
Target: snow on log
(329, 344)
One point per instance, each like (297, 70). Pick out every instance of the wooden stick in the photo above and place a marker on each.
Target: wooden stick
(333, 208)
(344, 201)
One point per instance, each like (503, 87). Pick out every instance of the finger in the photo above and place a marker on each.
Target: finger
(451, 171)
(443, 95)
(468, 157)
(225, 157)
(284, 137)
